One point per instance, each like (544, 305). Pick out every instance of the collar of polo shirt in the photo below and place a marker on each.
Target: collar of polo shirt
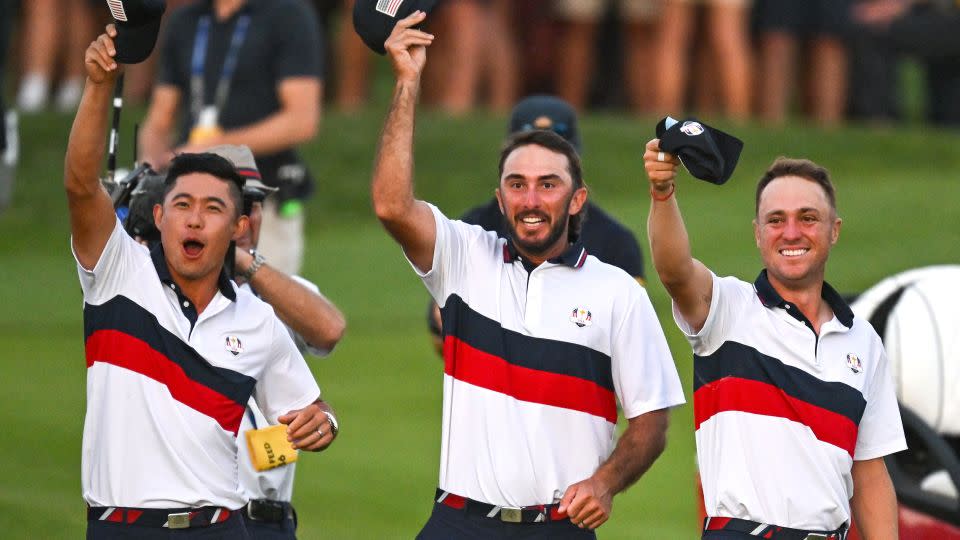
(163, 272)
(770, 298)
(574, 256)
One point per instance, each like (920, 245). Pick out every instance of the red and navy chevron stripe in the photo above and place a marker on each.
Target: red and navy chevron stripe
(479, 351)
(740, 378)
(123, 333)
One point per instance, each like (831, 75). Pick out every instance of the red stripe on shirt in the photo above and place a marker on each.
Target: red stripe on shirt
(473, 366)
(745, 395)
(122, 350)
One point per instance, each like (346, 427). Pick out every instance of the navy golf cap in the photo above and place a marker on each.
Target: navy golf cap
(546, 112)
(708, 153)
(138, 23)
(374, 19)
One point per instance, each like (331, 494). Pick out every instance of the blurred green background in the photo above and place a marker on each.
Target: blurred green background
(897, 190)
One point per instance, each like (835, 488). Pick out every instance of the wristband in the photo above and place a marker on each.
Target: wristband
(258, 261)
(661, 198)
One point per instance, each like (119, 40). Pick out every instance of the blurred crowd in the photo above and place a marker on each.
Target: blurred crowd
(825, 60)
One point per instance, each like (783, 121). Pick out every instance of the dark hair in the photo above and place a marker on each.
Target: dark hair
(555, 143)
(804, 168)
(211, 164)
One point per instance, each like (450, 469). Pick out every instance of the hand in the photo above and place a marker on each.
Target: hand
(661, 166)
(587, 503)
(407, 47)
(98, 60)
(309, 428)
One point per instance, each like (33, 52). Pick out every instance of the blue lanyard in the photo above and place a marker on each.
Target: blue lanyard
(252, 417)
(229, 64)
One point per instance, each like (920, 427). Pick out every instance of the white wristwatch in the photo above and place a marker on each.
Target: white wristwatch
(334, 426)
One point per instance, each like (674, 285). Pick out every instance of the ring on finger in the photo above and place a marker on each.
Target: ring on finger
(660, 156)
(320, 432)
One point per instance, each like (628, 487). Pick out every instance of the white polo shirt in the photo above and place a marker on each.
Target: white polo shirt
(274, 484)
(167, 388)
(780, 412)
(534, 363)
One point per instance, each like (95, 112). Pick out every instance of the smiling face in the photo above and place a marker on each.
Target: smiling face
(795, 229)
(197, 220)
(537, 197)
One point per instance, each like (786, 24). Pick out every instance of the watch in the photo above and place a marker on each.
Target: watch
(258, 261)
(334, 426)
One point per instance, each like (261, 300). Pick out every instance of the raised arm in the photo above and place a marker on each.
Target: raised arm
(92, 219)
(408, 220)
(686, 279)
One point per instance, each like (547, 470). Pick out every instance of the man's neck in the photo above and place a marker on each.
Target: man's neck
(809, 300)
(199, 291)
(223, 9)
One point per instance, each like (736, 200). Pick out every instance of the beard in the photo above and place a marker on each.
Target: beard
(558, 228)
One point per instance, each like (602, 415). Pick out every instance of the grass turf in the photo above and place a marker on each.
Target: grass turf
(897, 191)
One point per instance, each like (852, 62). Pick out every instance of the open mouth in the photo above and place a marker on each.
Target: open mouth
(793, 252)
(193, 248)
(533, 220)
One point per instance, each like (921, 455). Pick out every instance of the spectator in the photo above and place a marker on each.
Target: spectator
(8, 119)
(580, 20)
(259, 84)
(52, 27)
(783, 25)
(727, 35)
(925, 31)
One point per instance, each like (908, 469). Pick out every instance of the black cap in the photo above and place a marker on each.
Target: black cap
(708, 153)
(546, 112)
(138, 23)
(374, 19)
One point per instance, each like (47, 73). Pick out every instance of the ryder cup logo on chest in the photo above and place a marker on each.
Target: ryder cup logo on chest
(232, 344)
(691, 128)
(581, 317)
(854, 363)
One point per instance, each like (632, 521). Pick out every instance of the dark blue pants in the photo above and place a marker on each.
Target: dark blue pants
(259, 530)
(447, 523)
(231, 529)
(727, 535)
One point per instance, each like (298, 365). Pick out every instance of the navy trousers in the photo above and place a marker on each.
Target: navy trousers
(259, 530)
(447, 523)
(231, 529)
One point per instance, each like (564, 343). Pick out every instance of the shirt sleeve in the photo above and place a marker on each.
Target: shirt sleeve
(286, 383)
(299, 42)
(881, 429)
(729, 297)
(644, 374)
(453, 242)
(121, 256)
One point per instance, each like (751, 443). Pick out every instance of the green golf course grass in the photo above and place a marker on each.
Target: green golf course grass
(898, 193)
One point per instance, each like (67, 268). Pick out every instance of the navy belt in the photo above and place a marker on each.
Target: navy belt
(772, 532)
(171, 518)
(528, 514)
(268, 511)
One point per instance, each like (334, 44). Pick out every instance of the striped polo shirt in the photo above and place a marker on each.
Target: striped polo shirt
(780, 412)
(167, 387)
(535, 363)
